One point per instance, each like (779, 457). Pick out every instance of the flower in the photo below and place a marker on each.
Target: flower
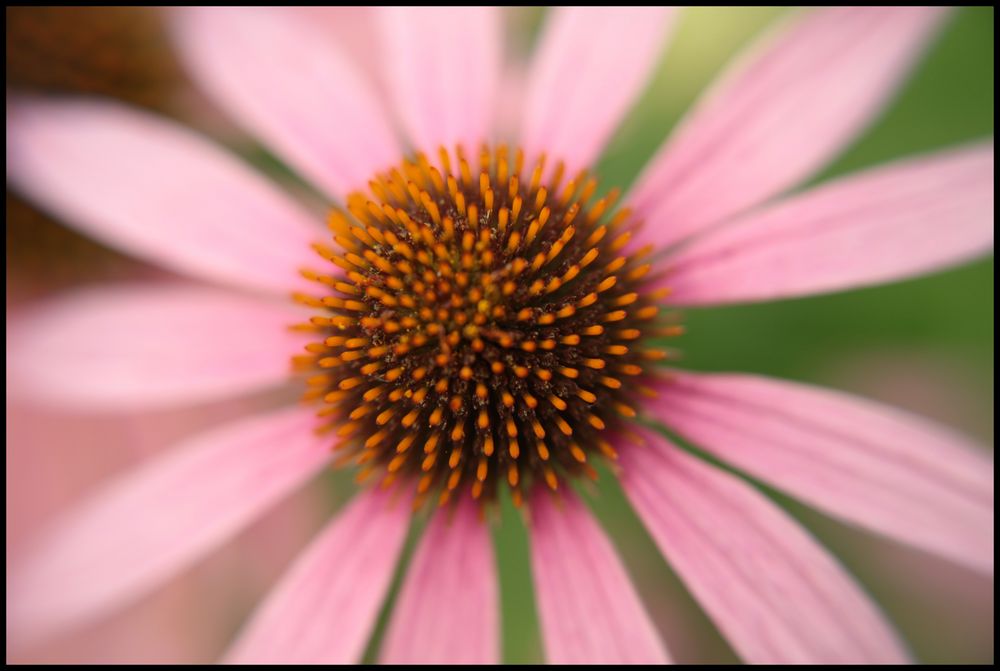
(480, 322)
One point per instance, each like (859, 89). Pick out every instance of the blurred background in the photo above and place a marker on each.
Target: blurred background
(925, 345)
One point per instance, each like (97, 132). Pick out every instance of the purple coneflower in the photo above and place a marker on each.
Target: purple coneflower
(478, 322)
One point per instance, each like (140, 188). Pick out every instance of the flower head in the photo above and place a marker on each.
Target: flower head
(476, 320)
(479, 319)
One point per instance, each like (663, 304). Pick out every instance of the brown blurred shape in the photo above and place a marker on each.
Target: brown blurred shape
(121, 52)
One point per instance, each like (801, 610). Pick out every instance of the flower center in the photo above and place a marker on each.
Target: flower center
(484, 329)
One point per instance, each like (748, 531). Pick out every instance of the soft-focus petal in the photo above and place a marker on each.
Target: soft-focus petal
(353, 31)
(910, 218)
(776, 595)
(783, 111)
(151, 523)
(589, 610)
(591, 64)
(447, 611)
(868, 464)
(284, 78)
(323, 610)
(132, 347)
(443, 68)
(154, 189)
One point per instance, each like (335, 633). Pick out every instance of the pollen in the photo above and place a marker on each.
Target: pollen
(481, 326)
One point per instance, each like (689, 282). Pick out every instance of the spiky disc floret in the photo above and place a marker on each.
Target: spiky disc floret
(481, 328)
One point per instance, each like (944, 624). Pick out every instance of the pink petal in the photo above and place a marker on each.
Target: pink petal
(447, 612)
(443, 68)
(353, 31)
(283, 77)
(870, 465)
(781, 112)
(591, 65)
(154, 189)
(776, 595)
(324, 608)
(589, 610)
(910, 218)
(149, 524)
(132, 347)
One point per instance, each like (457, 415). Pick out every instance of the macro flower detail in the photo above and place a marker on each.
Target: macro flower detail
(483, 327)
(480, 318)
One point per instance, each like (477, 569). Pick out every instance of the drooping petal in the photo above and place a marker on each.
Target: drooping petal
(133, 347)
(591, 64)
(323, 610)
(870, 465)
(151, 523)
(589, 610)
(910, 218)
(151, 188)
(780, 113)
(776, 595)
(285, 80)
(447, 612)
(443, 68)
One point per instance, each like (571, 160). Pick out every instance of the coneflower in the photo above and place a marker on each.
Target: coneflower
(479, 319)
(480, 331)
